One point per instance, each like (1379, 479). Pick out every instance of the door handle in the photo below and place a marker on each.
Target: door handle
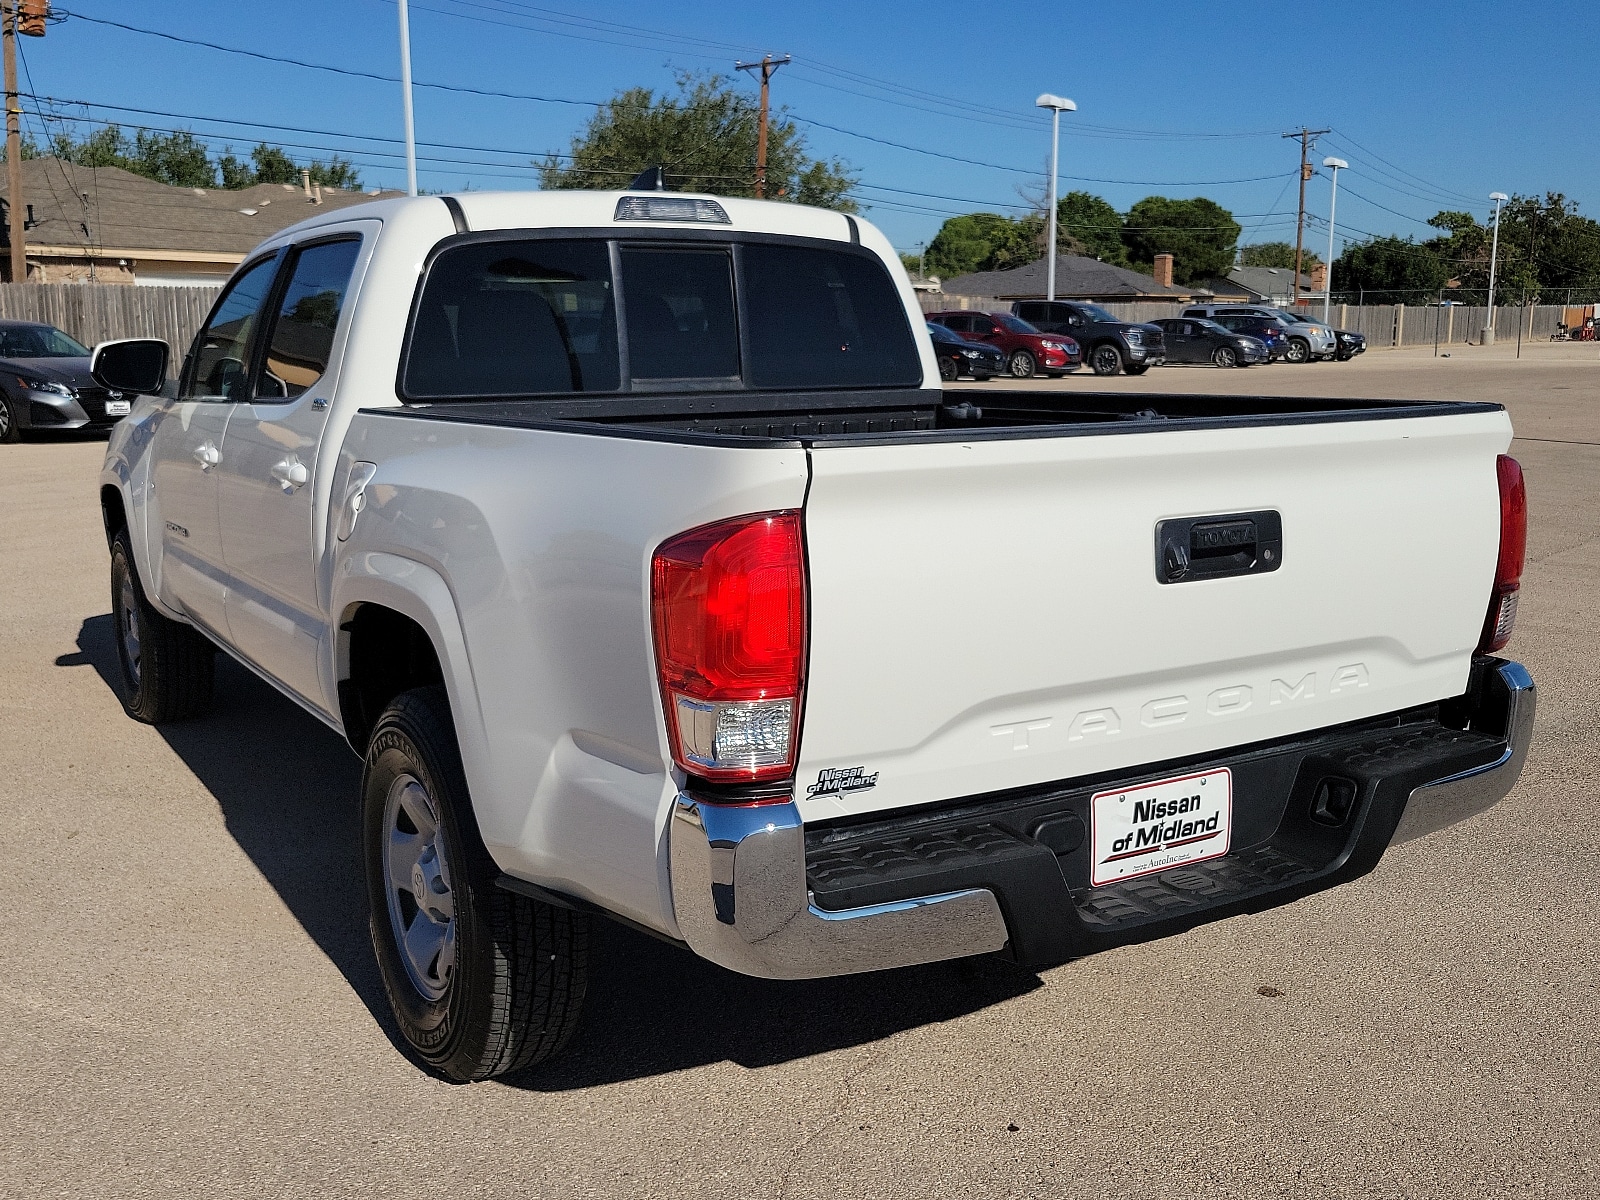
(355, 498)
(207, 455)
(290, 473)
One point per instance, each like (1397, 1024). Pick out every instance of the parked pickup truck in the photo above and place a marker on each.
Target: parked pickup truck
(631, 540)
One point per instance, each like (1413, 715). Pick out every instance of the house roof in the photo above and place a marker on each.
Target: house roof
(1267, 281)
(111, 212)
(1076, 275)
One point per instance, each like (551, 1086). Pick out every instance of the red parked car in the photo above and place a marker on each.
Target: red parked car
(1028, 352)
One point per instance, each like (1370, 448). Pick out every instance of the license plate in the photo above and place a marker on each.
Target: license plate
(118, 408)
(1157, 826)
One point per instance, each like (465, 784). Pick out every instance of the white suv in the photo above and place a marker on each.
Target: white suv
(1309, 339)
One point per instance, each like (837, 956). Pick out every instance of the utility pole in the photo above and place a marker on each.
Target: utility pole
(405, 99)
(767, 66)
(19, 252)
(1305, 135)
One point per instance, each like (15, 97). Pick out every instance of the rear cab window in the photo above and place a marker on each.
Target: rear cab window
(528, 317)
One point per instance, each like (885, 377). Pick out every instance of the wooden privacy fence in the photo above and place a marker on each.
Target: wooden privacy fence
(101, 312)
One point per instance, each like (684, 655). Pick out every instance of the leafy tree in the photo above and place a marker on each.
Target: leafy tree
(1199, 234)
(182, 160)
(1088, 224)
(983, 242)
(1544, 246)
(705, 138)
(1276, 254)
(1397, 269)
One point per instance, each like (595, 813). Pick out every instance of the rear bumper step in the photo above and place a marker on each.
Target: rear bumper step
(756, 891)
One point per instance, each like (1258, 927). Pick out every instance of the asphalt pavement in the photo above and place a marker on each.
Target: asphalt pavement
(194, 1010)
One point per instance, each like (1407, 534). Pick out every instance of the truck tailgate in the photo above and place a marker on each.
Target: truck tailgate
(988, 614)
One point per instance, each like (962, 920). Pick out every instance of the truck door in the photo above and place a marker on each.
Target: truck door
(190, 572)
(269, 481)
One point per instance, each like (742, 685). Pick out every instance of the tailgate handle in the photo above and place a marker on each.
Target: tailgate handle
(1214, 547)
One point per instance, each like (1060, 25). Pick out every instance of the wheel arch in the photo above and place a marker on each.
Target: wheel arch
(113, 511)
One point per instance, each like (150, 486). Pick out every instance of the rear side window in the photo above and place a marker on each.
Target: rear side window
(821, 318)
(515, 318)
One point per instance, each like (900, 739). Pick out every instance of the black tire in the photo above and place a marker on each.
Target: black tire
(1105, 359)
(515, 991)
(167, 668)
(10, 427)
(1299, 351)
(948, 370)
(1021, 365)
(1225, 356)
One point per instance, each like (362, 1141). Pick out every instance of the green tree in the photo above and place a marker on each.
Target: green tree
(182, 160)
(1199, 234)
(1276, 254)
(1396, 270)
(1088, 224)
(1545, 245)
(704, 137)
(983, 242)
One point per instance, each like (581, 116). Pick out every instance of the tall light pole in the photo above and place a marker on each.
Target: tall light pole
(1057, 105)
(405, 91)
(1499, 198)
(1335, 165)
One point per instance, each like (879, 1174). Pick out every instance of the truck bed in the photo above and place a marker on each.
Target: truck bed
(917, 415)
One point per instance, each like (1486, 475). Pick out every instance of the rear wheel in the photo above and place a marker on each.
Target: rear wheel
(1021, 365)
(1225, 356)
(1299, 351)
(167, 668)
(1106, 359)
(948, 370)
(482, 981)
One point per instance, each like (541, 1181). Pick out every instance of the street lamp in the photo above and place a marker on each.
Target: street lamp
(405, 94)
(1499, 198)
(1057, 105)
(1335, 165)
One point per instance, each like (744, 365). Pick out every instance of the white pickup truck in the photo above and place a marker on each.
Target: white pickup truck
(632, 541)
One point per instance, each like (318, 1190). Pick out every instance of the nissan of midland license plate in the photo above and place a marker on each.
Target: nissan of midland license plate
(118, 408)
(1156, 826)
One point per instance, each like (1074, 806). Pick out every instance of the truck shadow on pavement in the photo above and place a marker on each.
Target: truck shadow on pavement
(288, 790)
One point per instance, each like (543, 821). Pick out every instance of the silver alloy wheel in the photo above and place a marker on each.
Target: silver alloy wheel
(1299, 351)
(5, 419)
(1107, 360)
(128, 627)
(1022, 365)
(422, 912)
(1225, 357)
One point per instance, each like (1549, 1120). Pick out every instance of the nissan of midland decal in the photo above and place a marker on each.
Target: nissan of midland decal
(841, 781)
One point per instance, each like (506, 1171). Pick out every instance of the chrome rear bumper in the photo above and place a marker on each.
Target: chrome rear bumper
(739, 893)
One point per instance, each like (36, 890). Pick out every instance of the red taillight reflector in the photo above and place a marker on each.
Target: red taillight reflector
(1502, 613)
(729, 612)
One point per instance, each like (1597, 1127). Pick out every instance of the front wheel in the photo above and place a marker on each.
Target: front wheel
(1225, 356)
(167, 668)
(482, 981)
(948, 370)
(1299, 351)
(1021, 365)
(10, 427)
(1106, 359)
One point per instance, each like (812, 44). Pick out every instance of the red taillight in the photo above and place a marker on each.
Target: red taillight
(728, 603)
(1513, 549)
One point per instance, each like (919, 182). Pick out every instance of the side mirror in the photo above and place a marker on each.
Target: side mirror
(136, 365)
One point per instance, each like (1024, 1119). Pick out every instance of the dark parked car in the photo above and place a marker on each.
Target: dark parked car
(1274, 331)
(1028, 352)
(1109, 344)
(957, 356)
(1192, 340)
(1350, 344)
(45, 383)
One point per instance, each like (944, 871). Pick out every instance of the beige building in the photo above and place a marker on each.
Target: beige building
(107, 225)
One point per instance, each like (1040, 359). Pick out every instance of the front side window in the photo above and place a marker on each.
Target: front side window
(680, 313)
(219, 365)
(821, 318)
(302, 332)
(515, 318)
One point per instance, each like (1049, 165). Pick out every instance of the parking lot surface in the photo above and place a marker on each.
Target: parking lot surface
(193, 1009)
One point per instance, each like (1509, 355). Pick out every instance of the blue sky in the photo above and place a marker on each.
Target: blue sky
(1434, 105)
